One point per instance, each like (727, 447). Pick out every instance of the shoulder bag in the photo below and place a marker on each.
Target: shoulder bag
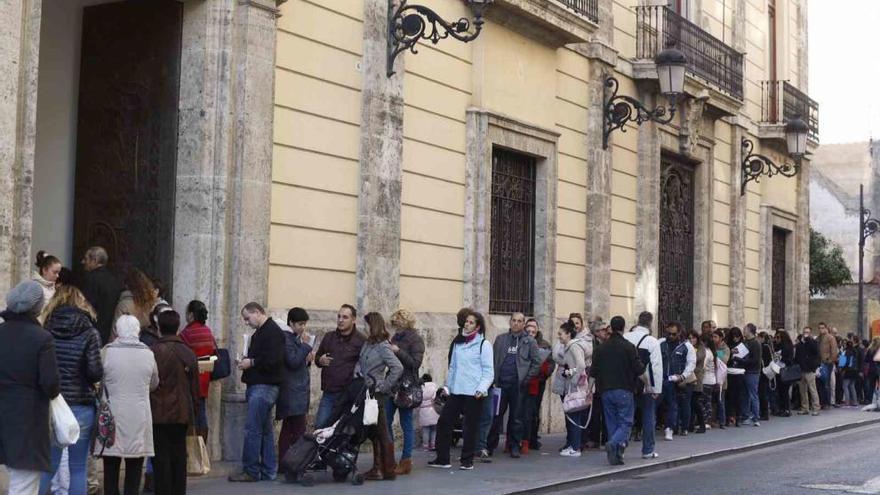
(579, 395)
(409, 392)
(105, 428)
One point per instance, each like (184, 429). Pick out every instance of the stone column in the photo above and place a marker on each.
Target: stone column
(19, 62)
(378, 241)
(737, 232)
(802, 246)
(224, 179)
(648, 213)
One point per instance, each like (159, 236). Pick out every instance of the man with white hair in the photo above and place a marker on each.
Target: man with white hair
(101, 288)
(28, 381)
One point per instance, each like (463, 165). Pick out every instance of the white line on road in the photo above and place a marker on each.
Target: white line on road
(871, 487)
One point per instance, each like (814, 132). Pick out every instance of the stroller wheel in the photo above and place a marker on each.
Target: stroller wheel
(357, 479)
(339, 476)
(307, 480)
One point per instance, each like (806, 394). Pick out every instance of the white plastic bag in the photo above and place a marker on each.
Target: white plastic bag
(371, 410)
(64, 423)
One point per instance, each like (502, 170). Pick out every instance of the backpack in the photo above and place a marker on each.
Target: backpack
(645, 358)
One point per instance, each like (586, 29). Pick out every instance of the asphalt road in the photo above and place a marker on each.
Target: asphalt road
(843, 463)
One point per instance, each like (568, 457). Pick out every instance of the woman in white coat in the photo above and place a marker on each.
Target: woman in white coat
(130, 373)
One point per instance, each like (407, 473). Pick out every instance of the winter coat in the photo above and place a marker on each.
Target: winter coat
(345, 351)
(78, 351)
(48, 289)
(266, 349)
(28, 381)
(427, 414)
(200, 339)
(828, 349)
(470, 367)
(700, 367)
(130, 373)
(787, 352)
(806, 355)
(293, 399)
(643, 340)
(102, 290)
(528, 361)
(616, 365)
(174, 401)
(410, 352)
(575, 360)
(380, 367)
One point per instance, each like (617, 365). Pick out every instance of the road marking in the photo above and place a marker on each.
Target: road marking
(871, 487)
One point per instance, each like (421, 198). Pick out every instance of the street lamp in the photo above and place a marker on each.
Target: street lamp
(867, 227)
(755, 165)
(620, 109)
(407, 24)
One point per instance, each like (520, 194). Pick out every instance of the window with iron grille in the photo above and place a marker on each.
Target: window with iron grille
(512, 262)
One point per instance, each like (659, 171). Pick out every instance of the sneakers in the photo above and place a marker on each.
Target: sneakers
(485, 457)
(466, 466)
(242, 477)
(815, 413)
(667, 434)
(569, 452)
(747, 422)
(756, 424)
(515, 452)
(439, 465)
(652, 455)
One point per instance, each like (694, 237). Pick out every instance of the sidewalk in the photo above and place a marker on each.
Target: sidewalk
(546, 470)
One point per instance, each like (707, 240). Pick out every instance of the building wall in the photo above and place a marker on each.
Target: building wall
(840, 225)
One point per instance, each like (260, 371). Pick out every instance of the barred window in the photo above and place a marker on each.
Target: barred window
(512, 262)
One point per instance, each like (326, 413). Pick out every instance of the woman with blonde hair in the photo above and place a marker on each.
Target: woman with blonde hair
(138, 298)
(409, 348)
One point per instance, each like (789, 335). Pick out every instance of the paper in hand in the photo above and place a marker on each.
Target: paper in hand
(742, 351)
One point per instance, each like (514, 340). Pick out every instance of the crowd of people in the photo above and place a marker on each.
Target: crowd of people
(117, 350)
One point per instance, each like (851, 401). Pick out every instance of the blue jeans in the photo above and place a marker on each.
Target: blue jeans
(512, 401)
(619, 407)
(258, 455)
(406, 424)
(325, 408)
(671, 419)
(825, 392)
(648, 406)
(486, 422)
(77, 453)
(575, 424)
(683, 403)
(752, 409)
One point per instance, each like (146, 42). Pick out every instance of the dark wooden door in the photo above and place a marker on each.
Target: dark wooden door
(777, 307)
(676, 270)
(512, 258)
(127, 133)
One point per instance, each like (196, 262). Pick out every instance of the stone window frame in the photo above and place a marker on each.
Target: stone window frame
(486, 129)
(772, 217)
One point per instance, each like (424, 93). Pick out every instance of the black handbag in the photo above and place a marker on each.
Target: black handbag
(409, 392)
(222, 366)
(790, 373)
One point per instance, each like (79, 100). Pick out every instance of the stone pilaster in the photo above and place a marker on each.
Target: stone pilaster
(648, 213)
(803, 41)
(737, 228)
(802, 246)
(381, 154)
(19, 61)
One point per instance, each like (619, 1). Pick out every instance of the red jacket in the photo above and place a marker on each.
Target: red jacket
(200, 339)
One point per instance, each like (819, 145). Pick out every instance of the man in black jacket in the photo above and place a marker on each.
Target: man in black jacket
(807, 357)
(616, 367)
(751, 362)
(263, 372)
(101, 288)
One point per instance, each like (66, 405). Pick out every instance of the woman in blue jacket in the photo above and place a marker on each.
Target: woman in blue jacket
(471, 372)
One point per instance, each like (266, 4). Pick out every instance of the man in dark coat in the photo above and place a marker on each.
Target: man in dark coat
(25, 388)
(101, 288)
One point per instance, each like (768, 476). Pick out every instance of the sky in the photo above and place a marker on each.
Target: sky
(844, 49)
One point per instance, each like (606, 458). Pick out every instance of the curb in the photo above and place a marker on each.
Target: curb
(683, 461)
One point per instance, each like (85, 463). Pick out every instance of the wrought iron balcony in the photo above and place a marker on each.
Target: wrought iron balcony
(709, 58)
(588, 8)
(781, 102)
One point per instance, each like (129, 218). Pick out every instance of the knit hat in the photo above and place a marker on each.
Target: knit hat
(25, 297)
(297, 314)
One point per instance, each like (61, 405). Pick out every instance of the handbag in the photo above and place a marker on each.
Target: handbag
(64, 423)
(105, 424)
(581, 397)
(409, 392)
(198, 463)
(790, 374)
(371, 409)
(223, 366)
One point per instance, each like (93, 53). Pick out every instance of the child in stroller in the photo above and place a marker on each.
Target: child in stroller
(336, 446)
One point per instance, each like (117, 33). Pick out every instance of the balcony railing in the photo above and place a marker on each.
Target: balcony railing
(588, 8)
(781, 101)
(709, 58)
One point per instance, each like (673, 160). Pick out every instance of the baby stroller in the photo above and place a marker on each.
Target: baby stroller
(335, 447)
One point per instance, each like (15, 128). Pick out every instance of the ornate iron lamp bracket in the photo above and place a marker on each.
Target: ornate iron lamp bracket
(407, 24)
(870, 226)
(756, 165)
(620, 109)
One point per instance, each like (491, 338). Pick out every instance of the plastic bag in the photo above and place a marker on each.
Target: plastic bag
(197, 461)
(64, 423)
(371, 410)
